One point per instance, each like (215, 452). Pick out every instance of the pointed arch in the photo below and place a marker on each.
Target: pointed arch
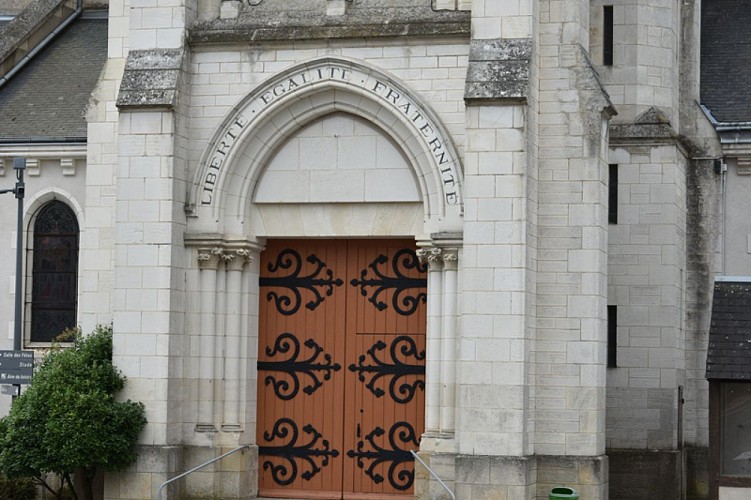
(251, 133)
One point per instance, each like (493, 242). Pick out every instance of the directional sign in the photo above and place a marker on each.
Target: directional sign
(16, 367)
(10, 390)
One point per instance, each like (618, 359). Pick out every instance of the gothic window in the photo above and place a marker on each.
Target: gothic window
(54, 272)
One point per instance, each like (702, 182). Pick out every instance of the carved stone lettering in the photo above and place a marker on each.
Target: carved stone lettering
(426, 129)
(390, 94)
(217, 159)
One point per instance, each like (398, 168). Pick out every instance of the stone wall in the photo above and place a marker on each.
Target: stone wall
(646, 271)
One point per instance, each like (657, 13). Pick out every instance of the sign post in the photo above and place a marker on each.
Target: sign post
(19, 165)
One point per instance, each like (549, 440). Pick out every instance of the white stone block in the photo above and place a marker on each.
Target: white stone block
(585, 260)
(486, 28)
(482, 140)
(284, 187)
(480, 233)
(496, 117)
(169, 38)
(493, 303)
(337, 186)
(391, 185)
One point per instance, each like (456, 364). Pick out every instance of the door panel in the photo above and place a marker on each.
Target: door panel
(385, 353)
(341, 367)
(299, 379)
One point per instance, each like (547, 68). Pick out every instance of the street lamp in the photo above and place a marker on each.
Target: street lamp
(19, 165)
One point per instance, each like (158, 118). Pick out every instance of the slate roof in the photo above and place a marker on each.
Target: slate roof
(726, 59)
(729, 354)
(46, 100)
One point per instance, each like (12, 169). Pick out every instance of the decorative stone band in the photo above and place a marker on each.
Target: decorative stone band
(69, 157)
(423, 18)
(333, 7)
(436, 256)
(209, 258)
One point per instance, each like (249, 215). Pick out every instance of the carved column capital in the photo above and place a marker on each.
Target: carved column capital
(451, 258)
(438, 257)
(208, 258)
(244, 254)
(237, 259)
(431, 256)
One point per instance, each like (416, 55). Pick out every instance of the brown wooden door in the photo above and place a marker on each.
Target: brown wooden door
(341, 368)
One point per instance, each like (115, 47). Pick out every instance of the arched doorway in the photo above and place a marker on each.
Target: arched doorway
(393, 188)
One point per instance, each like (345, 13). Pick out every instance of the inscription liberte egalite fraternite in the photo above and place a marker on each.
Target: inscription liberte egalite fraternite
(381, 88)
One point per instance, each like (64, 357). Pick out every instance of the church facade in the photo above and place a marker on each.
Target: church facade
(334, 232)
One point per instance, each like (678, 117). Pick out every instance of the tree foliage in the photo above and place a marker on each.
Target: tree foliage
(68, 420)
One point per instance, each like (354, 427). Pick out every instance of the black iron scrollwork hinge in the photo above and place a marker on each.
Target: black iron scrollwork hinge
(294, 282)
(292, 366)
(285, 473)
(403, 303)
(399, 478)
(396, 369)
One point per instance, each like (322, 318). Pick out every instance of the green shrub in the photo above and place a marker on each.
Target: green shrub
(68, 420)
(21, 488)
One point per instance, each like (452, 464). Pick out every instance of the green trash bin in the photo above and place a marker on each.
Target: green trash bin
(563, 493)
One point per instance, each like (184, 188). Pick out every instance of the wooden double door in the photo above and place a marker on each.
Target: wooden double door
(341, 370)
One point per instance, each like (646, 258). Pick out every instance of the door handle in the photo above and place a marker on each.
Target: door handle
(358, 431)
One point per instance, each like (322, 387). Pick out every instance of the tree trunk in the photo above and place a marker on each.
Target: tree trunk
(88, 483)
(71, 486)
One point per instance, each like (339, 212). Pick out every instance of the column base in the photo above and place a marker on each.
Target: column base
(206, 428)
(233, 478)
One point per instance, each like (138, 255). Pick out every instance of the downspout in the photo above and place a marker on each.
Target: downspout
(15, 69)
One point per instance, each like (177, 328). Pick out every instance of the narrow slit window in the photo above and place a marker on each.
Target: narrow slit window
(607, 35)
(613, 194)
(612, 336)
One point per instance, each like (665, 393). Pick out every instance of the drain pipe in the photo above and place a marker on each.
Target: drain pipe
(20, 64)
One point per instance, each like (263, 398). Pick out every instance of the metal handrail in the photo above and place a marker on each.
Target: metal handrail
(433, 473)
(159, 495)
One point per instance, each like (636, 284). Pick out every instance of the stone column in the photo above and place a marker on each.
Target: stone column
(433, 344)
(232, 340)
(249, 345)
(208, 261)
(448, 341)
(220, 324)
(438, 446)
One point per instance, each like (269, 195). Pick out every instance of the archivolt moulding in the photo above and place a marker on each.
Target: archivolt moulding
(254, 129)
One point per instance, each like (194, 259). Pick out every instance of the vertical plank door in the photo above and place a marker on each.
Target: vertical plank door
(341, 368)
(386, 320)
